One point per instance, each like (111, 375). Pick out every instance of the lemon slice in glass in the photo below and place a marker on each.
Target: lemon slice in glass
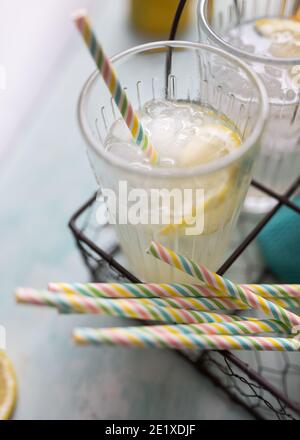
(211, 143)
(8, 387)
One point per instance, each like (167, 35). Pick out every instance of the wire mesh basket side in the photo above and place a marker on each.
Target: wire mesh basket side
(255, 381)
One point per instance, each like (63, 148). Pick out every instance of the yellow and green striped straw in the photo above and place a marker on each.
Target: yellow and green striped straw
(238, 328)
(153, 338)
(214, 280)
(119, 95)
(66, 303)
(281, 294)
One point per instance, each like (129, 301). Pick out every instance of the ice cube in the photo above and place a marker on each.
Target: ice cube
(164, 134)
(141, 166)
(127, 151)
(183, 112)
(167, 162)
(157, 108)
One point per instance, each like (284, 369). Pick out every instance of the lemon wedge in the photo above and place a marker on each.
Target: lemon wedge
(212, 142)
(219, 206)
(8, 387)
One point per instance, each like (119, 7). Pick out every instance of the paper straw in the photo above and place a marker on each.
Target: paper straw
(115, 290)
(288, 303)
(122, 308)
(233, 328)
(119, 95)
(208, 304)
(214, 280)
(130, 290)
(180, 341)
(200, 304)
(177, 290)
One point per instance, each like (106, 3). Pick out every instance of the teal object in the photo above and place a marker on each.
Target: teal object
(279, 243)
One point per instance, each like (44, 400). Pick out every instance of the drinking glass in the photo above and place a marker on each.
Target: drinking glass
(224, 181)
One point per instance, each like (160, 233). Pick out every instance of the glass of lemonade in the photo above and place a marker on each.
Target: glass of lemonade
(266, 35)
(207, 137)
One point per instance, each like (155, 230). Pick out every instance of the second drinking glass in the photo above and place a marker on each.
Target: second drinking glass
(207, 135)
(266, 35)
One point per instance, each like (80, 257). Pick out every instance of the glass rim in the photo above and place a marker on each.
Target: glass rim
(176, 172)
(234, 50)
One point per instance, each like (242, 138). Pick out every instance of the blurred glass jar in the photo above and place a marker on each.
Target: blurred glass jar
(156, 16)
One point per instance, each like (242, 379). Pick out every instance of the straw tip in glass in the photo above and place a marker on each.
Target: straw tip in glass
(148, 249)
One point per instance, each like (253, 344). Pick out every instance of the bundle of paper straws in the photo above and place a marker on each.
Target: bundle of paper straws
(191, 315)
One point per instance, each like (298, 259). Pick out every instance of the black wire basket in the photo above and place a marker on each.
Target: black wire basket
(266, 384)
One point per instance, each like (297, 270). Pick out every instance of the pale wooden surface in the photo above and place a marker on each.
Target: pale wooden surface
(44, 179)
